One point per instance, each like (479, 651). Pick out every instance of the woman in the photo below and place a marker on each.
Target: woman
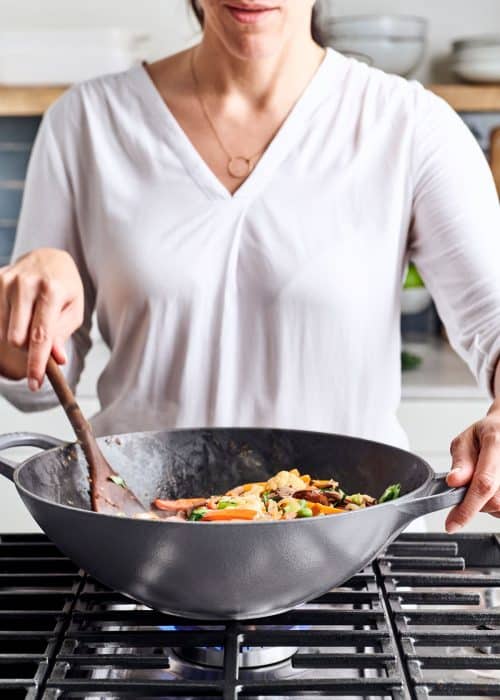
(240, 216)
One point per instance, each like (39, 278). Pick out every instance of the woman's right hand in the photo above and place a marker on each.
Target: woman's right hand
(41, 305)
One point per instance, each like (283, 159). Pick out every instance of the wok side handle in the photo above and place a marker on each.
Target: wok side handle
(45, 442)
(440, 497)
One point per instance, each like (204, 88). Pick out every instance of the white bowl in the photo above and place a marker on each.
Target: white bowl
(403, 26)
(477, 53)
(361, 57)
(478, 71)
(476, 42)
(415, 300)
(393, 55)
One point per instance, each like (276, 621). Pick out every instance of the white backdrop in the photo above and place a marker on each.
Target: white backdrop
(171, 28)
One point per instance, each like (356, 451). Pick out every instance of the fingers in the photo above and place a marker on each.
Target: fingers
(70, 319)
(59, 352)
(41, 305)
(4, 302)
(464, 453)
(485, 481)
(42, 331)
(22, 294)
(493, 505)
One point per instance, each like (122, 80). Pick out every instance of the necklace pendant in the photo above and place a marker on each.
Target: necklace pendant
(239, 167)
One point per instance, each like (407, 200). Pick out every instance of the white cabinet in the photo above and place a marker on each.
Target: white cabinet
(440, 400)
(431, 424)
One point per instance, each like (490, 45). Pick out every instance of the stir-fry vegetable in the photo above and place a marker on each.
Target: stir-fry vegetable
(230, 514)
(288, 495)
(118, 480)
(390, 493)
(179, 504)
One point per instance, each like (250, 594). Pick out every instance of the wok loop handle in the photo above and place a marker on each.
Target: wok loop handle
(440, 497)
(45, 442)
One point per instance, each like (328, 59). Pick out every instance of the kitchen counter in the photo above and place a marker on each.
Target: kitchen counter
(442, 374)
(27, 101)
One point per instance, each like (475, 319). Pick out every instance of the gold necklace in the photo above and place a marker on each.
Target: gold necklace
(237, 166)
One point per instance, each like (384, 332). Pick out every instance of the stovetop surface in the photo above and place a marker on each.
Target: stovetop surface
(422, 622)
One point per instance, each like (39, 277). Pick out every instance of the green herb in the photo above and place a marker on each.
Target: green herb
(225, 504)
(304, 512)
(197, 514)
(390, 493)
(357, 499)
(118, 480)
(266, 496)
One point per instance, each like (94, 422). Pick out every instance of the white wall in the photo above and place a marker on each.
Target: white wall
(168, 21)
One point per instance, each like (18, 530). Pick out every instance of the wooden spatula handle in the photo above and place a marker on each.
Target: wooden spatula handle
(106, 495)
(67, 399)
(80, 424)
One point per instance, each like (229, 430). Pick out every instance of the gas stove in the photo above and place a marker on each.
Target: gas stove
(423, 621)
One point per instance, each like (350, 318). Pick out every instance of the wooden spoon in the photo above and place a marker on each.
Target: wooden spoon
(108, 491)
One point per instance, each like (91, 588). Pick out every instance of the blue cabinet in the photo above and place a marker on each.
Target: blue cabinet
(16, 140)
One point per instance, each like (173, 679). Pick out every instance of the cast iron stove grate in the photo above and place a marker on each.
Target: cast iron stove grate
(38, 586)
(417, 624)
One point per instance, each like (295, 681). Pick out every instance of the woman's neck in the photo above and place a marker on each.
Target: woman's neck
(260, 82)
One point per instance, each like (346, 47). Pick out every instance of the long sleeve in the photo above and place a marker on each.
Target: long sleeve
(455, 233)
(48, 220)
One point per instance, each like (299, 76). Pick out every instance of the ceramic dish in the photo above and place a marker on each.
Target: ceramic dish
(391, 54)
(394, 43)
(415, 300)
(402, 26)
(478, 71)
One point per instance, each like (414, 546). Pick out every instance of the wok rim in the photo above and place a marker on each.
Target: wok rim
(404, 498)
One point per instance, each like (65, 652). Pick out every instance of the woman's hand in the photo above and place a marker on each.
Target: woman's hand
(41, 305)
(476, 461)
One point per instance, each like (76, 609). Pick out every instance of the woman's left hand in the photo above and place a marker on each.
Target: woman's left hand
(476, 461)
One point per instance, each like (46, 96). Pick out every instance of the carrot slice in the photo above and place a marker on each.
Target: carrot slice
(179, 504)
(230, 514)
(249, 487)
(319, 509)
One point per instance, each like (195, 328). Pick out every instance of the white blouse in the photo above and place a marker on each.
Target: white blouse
(279, 305)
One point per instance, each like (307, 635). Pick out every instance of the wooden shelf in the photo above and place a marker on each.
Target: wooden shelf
(33, 101)
(27, 101)
(470, 98)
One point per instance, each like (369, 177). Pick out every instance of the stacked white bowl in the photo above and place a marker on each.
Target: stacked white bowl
(393, 43)
(477, 59)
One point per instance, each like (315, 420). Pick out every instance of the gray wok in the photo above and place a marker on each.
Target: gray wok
(229, 570)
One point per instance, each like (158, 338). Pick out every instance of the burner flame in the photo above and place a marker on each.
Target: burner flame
(250, 656)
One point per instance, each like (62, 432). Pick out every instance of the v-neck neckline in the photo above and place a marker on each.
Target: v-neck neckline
(294, 125)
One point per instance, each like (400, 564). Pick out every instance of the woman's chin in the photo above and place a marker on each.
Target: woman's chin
(255, 47)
